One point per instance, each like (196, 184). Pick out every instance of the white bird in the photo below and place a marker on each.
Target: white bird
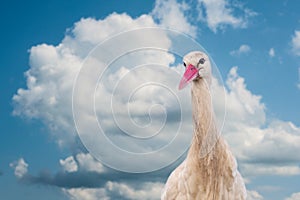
(209, 171)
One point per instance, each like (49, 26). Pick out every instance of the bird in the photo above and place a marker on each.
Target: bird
(209, 171)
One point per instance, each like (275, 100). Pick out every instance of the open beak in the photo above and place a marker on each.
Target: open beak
(190, 74)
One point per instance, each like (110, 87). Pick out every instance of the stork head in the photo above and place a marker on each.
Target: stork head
(197, 66)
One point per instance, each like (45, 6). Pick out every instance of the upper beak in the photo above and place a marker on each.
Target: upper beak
(190, 74)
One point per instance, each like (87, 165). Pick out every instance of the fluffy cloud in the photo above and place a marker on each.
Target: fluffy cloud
(145, 91)
(69, 164)
(20, 168)
(86, 193)
(219, 13)
(171, 14)
(84, 178)
(294, 196)
(242, 50)
(81, 161)
(263, 146)
(53, 70)
(114, 190)
(296, 43)
(253, 195)
(272, 52)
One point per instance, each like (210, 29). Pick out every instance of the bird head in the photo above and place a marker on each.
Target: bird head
(197, 66)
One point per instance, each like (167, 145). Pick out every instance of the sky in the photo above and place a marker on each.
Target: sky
(57, 92)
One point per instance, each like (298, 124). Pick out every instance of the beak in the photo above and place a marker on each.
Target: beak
(190, 74)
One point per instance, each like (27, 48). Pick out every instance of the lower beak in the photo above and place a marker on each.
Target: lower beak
(190, 74)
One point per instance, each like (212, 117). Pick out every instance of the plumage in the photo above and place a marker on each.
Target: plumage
(209, 171)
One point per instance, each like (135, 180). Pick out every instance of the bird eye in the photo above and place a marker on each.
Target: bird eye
(202, 61)
(184, 64)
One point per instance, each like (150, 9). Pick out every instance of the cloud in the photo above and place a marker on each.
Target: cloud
(86, 193)
(114, 190)
(83, 162)
(53, 70)
(243, 49)
(91, 180)
(50, 79)
(263, 146)
(253, 195)
(296, 43)
(272, 52)
(220, 13)
(20, 168)
(171, 14)
(86, 172)
(294, 196)
(69, 164)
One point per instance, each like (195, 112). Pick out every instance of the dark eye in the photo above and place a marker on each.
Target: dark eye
(202, 61)
(184, 64)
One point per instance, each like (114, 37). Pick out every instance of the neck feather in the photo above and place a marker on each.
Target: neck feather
(205, 130)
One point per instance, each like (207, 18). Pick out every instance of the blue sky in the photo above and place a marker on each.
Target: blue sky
(259, 38)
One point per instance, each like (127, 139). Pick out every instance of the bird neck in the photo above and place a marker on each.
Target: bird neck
(205, 130)
(209, 155)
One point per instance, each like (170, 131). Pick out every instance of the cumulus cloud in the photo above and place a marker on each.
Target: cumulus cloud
(69, 164)
(220, 13)
(53, 70)
(253, 195)
(81, 161)
(86, 193)
(296, 43)
(20, 168)
(294, 196)
(262, 146)
(243, 49)
(171, 14)
(114, 190)
(272, 52)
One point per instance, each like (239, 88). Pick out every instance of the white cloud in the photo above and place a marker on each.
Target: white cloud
(86, 193)
(83, 162)
(253, 195)
(113, 190)
(220, 13)
(20, 168)
(148, 190)
(262, 148)
(171, 14)
(88, 163)
(294, 196)
(69, 164)
(242, 50)
(272, 52)
(53, 70)
(296, 43)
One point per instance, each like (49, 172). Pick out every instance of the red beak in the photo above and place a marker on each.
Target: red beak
(190, 74)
